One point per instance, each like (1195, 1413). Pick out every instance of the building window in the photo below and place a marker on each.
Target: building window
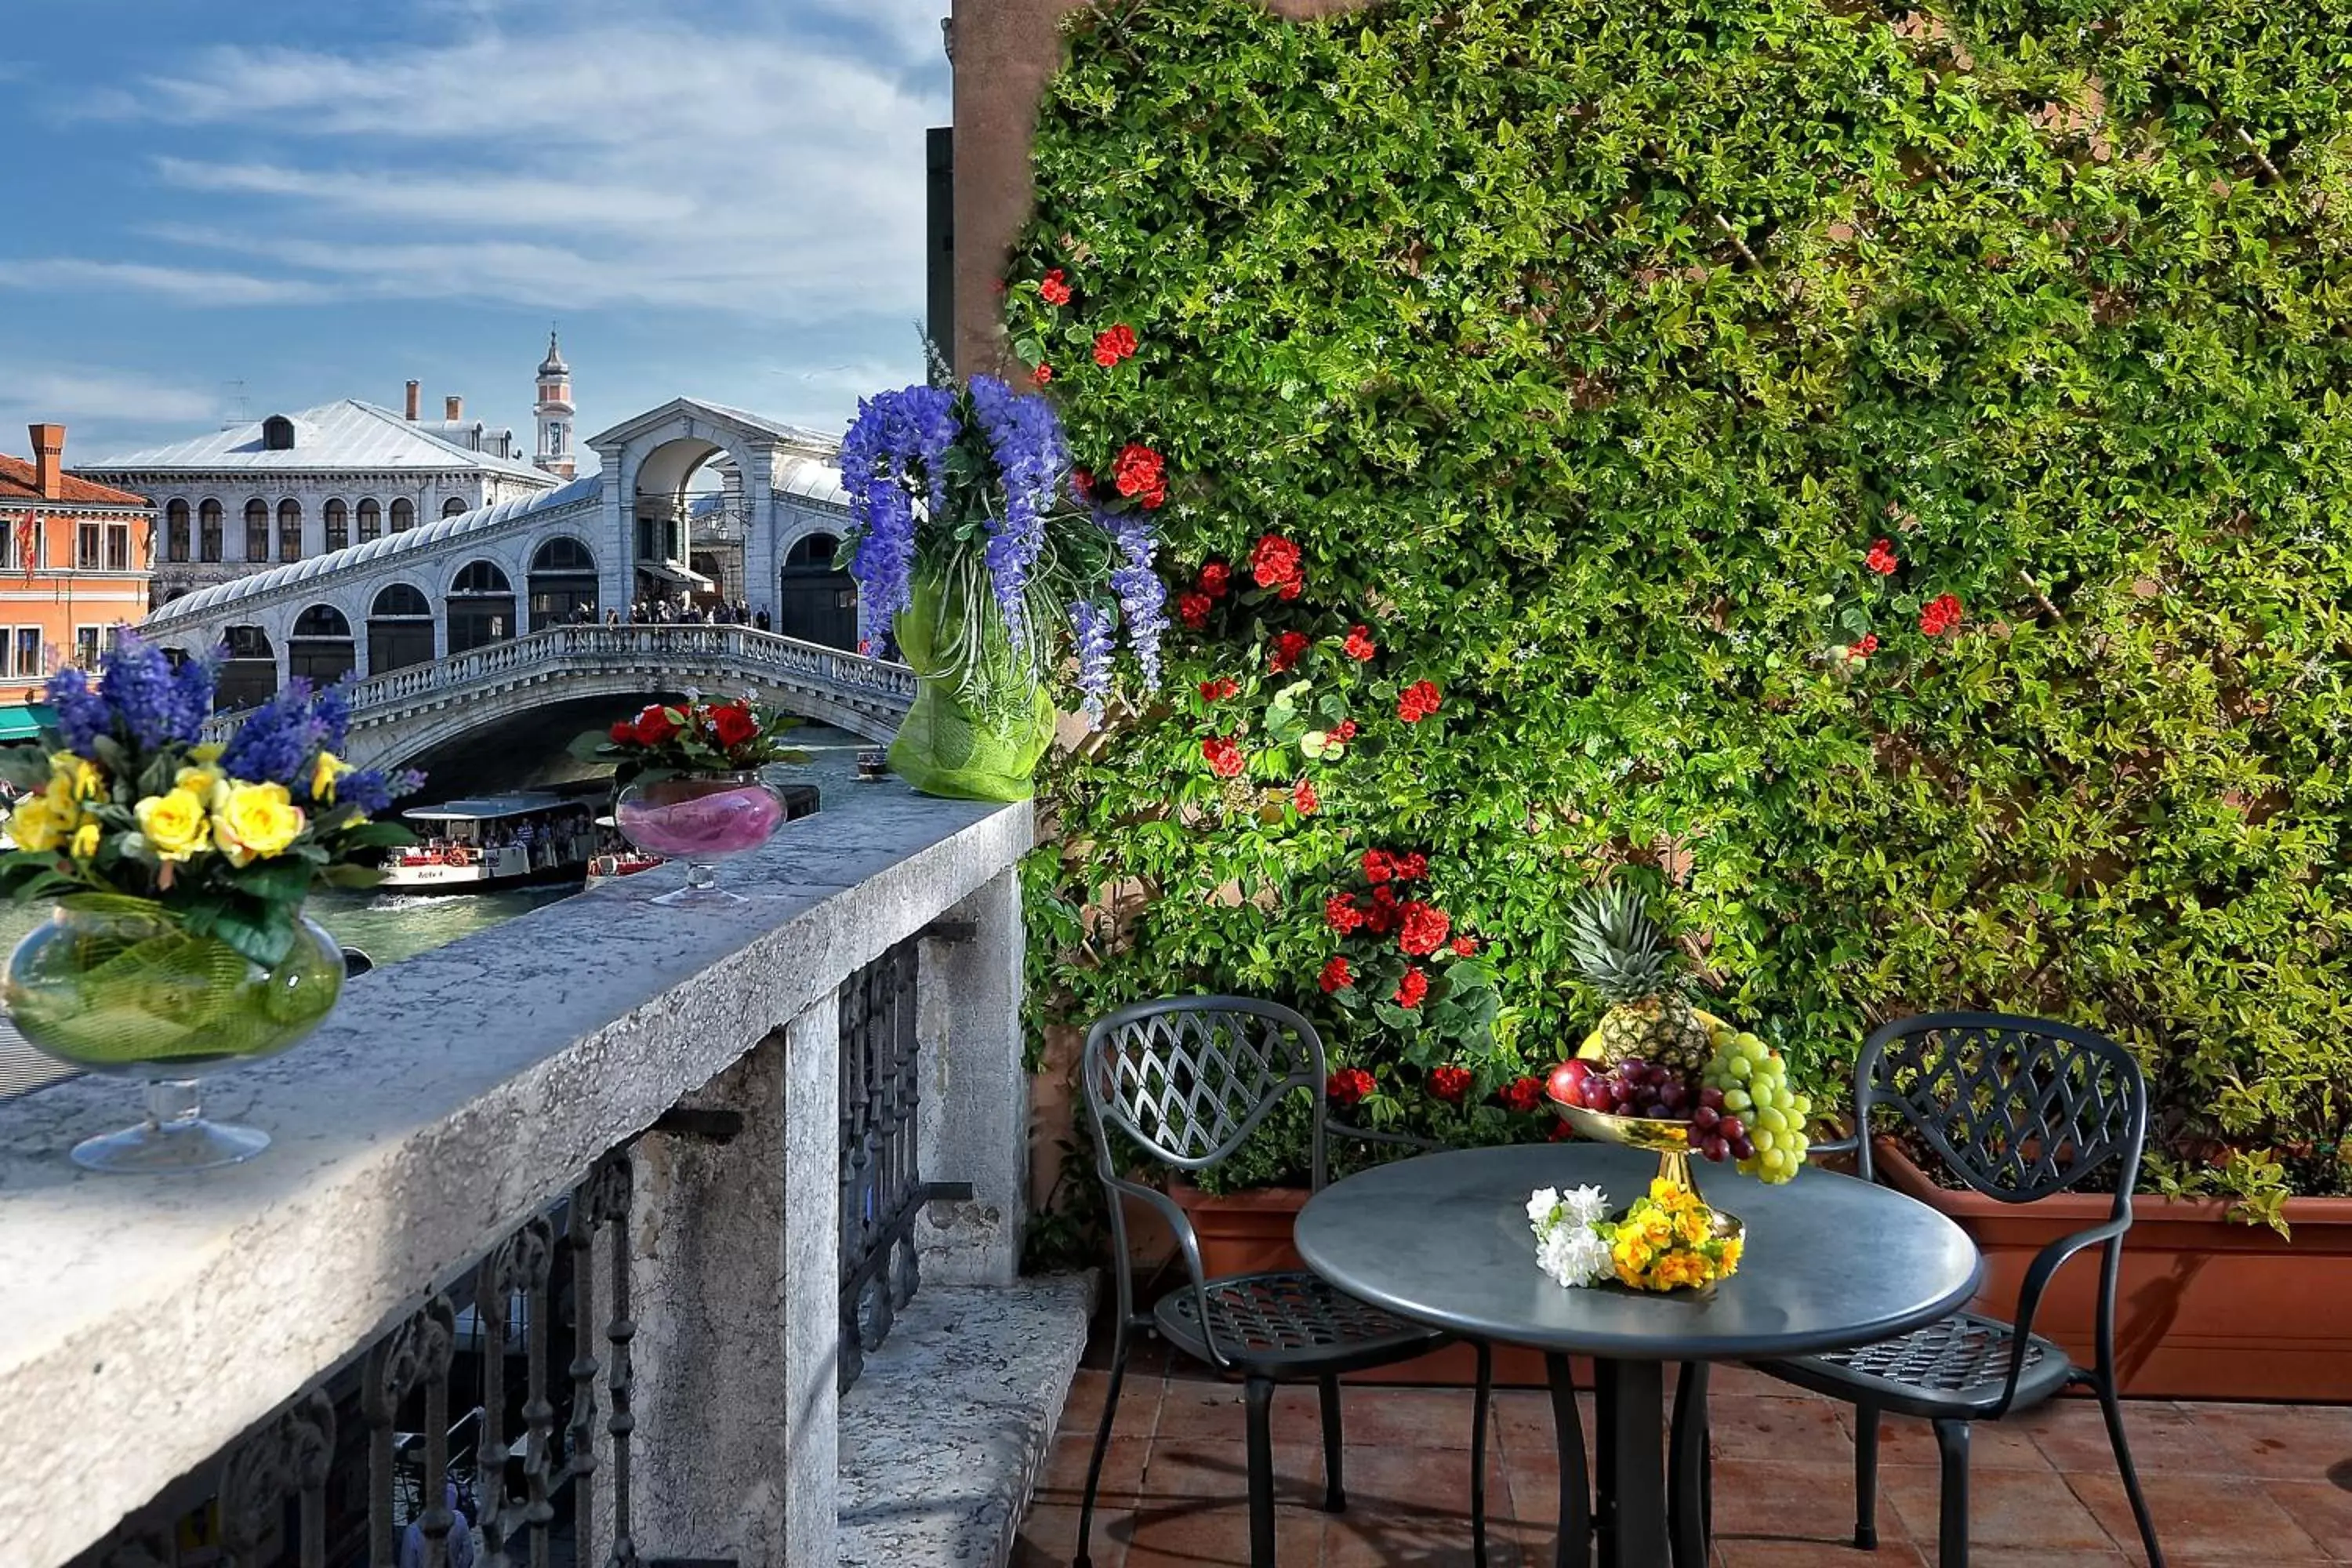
(371, 520)
(555, 439)
(209, 530)
(256, 531)
(90, 643)
(118, 547)
(404, 515)
(28, 652)
(454, 505)
(290, 530)
(339, 525)
(87, 546)
(277, 434)
(175, 531)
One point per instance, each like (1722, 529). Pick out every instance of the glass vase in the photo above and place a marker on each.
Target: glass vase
(971, 735)
(124, 988)
(700, 819)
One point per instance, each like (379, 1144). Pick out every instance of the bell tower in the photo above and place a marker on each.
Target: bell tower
(554, 454)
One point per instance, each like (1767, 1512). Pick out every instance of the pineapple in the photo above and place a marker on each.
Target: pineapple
(1619, 950)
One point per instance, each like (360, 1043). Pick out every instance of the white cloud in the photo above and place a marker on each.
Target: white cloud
(93, 399)
(630, 156)
(189, 285)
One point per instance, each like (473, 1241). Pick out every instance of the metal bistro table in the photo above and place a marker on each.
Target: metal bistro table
(1830, 1262)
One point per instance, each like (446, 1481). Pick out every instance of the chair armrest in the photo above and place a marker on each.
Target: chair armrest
(1371, 1135)
(2045, 1266)
(1849, 1145)
(1168, 1209)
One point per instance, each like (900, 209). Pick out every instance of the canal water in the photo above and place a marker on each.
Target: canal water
(390, 927)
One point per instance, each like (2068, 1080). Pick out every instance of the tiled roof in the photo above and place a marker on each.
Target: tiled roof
(340, 435)
(481, 518)
(17, 484)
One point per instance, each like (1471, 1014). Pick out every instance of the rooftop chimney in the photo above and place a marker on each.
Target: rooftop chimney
(452, 409)
(413, 388)
(49, 461)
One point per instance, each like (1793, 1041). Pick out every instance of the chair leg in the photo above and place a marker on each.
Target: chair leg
(1478, 1453)
(1258, 1394)
(1952, 1530)
(1576, 1536)
(1102, 1446)
(2113, 1410)
(1335, 1494)
(1866, 1477)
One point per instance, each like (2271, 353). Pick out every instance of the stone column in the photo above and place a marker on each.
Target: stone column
(973, 1126)
(736, 1277)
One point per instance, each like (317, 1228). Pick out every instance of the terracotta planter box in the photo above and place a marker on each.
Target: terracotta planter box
(1249, 1233)
(2209, 1308)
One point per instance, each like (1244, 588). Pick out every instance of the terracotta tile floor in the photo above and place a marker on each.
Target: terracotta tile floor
(2235, 1484)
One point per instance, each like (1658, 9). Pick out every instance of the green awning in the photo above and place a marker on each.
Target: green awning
(22, 722)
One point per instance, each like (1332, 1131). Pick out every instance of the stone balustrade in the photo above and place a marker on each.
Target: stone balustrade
(618, 1125)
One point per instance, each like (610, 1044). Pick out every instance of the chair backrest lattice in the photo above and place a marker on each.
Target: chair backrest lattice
(1189, 1078)
(2017, 1108)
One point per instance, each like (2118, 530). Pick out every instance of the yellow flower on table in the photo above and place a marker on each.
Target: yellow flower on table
(1692, 1227)
(37, 824)
(260, 820)
(175, 824)
(85, 841)
(207, 784)
(80, 777)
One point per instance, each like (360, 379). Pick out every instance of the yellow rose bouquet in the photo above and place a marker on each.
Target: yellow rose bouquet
(1670, 1240)
(179, 869)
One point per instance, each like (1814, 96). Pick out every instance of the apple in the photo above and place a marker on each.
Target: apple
(1566, 1083)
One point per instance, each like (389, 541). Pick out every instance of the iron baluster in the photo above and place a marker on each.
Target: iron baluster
(288, 1456)
(519, 1268)
(418, 1353)
(615, 1185)
(580, 1436)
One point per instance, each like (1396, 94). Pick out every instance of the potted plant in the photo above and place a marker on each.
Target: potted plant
(177, 872)
(988, 560)
(688, 784)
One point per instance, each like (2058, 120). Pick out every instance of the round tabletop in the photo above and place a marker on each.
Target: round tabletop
(1443, 1239)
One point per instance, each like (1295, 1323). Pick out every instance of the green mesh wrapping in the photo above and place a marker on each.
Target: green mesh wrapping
(952, 745)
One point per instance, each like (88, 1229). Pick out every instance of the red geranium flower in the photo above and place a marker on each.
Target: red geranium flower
(1344, 731)
(1349, 1085)
(1192, 609)
(624, 731)
(1274, 564)
(1336, 975)
(1411, 868)
(1226, 759)
(1043, 374)
(1561, 1134)
(1865, 647)
(1411, 988)
(734, 724)
(1303, 796)
(1418, 701)
(1425, 927)
(1217, 691)
(1288, 649)
(655, 725)
(1382, 917)
(1052, 289)
(1940, 614)
(1112, 346)
(1216, 578)
(1140, 474)
(1379, 866)
(1083, 481)
(1464, 946)
(1882, 559)
(1359, 645)
(1522, 1094)
(1449, 1082)
(1341, 913)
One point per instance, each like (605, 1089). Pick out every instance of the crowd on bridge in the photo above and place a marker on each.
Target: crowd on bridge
(683, 611)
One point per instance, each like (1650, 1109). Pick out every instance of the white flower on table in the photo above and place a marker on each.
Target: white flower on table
(1568, 1248)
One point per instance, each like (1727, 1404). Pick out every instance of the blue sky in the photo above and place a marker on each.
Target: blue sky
(716, 197)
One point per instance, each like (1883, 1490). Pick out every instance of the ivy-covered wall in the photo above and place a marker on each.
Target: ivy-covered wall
(1881, 477)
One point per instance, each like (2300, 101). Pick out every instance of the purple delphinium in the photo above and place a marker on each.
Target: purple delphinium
(373, 790)
(274, 743)
(1032, 457)
(82, 714)
(894, 436)
(136, 682)
(1090, 628)
(1142, 596)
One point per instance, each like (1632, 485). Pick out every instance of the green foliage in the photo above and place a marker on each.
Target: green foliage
(1586, 348)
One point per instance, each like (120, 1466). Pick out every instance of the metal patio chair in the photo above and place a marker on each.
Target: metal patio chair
(1189, 1078)
(2018, 1109)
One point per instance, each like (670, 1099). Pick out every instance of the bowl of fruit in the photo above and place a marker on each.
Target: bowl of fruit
(1658, 1073)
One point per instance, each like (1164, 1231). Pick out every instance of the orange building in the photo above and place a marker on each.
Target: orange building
(75, 560)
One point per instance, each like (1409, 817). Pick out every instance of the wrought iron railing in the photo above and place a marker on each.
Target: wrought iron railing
(366, 1465)
(881, 1176)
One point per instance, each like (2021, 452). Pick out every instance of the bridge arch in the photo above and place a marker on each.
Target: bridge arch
(479, 606)
(660, 506)
(320, 646)
(561, 583)
(249, 674)
(813, 602)
(400, 628)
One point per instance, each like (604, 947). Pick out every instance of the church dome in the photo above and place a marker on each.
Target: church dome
(553, 364)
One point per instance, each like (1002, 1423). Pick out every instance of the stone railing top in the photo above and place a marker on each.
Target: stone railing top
(145, 1322)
